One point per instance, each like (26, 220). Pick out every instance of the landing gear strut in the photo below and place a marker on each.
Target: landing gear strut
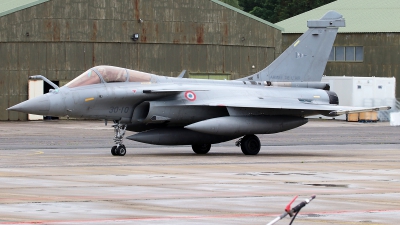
(250, 144)
(119, 130)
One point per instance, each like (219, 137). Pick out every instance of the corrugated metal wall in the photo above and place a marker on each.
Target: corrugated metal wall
(62, 38)
(381, 55)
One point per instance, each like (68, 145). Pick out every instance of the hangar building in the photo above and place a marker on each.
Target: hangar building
(369, 45)
(60, 39)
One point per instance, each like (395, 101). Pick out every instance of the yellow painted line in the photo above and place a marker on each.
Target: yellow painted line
(297, 42)
(25, 195)
(29, 153)
(89, 99)
(317, 96)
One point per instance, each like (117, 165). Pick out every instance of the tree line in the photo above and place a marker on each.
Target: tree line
(276, 10)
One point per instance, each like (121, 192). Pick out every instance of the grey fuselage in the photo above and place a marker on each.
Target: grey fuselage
(118, 101)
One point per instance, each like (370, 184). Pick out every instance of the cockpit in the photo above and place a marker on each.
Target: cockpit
(108, 74)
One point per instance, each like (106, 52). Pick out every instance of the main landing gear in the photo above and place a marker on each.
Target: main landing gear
(201, 149)
(119, 130)
(250, 144)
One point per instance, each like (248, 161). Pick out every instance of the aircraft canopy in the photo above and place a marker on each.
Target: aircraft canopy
(108, 74)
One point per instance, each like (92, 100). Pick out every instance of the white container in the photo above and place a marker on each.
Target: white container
(395, 119)
(363, 92)
(35, 89)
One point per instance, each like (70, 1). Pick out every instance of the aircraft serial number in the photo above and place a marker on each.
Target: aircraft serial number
(119, 110)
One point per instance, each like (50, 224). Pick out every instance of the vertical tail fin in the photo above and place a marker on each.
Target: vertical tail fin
(306, 58)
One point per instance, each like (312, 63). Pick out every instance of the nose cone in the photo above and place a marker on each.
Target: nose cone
(39, 106)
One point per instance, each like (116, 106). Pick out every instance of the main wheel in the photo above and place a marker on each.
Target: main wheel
(121, 150)
(250, 145)
(113, 152)
(201, 149)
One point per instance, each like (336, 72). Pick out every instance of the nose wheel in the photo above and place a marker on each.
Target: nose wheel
(118, 150)
(119, 130)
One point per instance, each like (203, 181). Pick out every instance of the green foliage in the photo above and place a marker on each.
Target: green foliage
(234, 3)
(278, 10)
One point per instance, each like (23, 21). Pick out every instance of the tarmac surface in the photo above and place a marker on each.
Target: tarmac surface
(62, 172)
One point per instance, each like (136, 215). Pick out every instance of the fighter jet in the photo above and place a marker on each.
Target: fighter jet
(179, 111)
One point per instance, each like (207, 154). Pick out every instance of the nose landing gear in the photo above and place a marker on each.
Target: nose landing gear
(119, 149)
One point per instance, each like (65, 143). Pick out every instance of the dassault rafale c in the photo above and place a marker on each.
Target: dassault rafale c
(179, 111)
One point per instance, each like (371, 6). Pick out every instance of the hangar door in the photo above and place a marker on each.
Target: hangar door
(213, 76)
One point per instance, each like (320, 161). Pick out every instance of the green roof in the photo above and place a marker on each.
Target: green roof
(248, 14)
(362, 16)
(10, 6)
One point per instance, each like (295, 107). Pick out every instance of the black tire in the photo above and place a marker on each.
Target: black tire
(201, 149)
(113, 150)
(250, 145)
(121, 150)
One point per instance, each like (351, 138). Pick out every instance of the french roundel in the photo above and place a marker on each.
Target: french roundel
(190, 95)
